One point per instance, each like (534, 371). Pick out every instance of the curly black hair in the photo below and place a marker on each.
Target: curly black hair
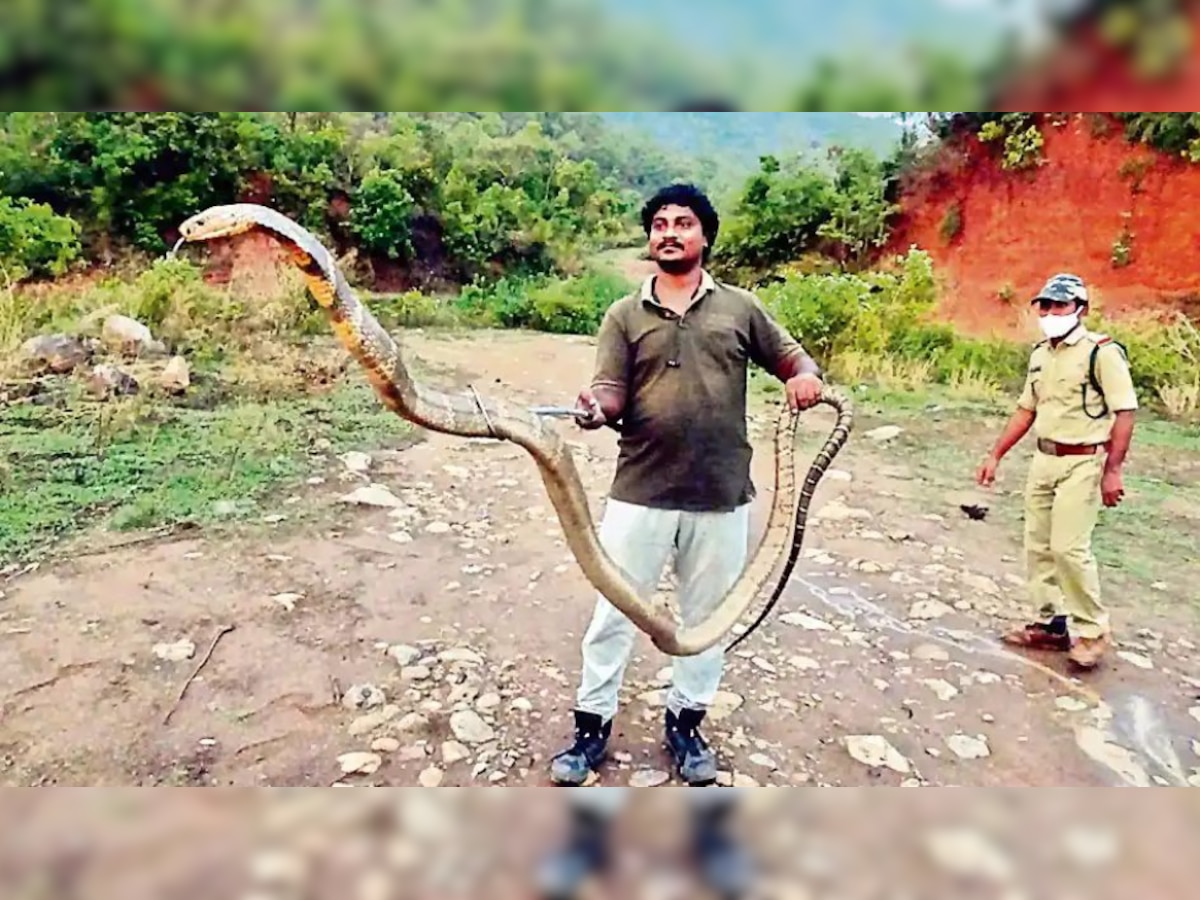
(694, 199)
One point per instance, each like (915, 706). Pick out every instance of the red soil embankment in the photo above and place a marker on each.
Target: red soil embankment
(1020, 227)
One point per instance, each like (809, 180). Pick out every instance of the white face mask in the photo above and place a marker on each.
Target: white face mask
(1057, 326)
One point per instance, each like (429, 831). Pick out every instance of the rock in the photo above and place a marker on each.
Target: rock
(724, 704)
(453, 751)
(363, 696)
(356, 461)
(521, 704)
(403, 654)
(176, 376)
(805, 621)
(431, 777)
(56, 353)
(1135, 659)
(1194, 712)
(469, 728)
(967, 747)
(884, 433)
(415, 673)
(838, 475)
(400, 537)
(460, 655)
(1070, 704)
(371, 495)
(385, 745)
(360, 763)
(287, 600)
(126, 335)
(931, 653)
(487, 702)
(837, 511)
(744, 781)
(644, 778)
(943, 689)
(437, 528)
(980, 583)
(875, 750)
(759, 663)
(176, 652)
(365, 724)
(929, 609)
(803, 663)
(109, 381)
(761, 759)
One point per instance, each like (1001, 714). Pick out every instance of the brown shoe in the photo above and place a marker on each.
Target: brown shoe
(1040, 636)
(1087, 652)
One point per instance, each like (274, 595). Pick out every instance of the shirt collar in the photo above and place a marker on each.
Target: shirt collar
(706, 284)
(1077, 334)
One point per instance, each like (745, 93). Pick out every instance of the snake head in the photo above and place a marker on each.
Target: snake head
(219, 222)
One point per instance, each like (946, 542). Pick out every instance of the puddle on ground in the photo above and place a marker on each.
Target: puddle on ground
(1127, 736)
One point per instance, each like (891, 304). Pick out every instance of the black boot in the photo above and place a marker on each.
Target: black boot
(571, 766)
(694, 761)
(585, 853)
(724, 865)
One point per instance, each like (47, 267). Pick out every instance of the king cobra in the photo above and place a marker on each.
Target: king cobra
(472, 416)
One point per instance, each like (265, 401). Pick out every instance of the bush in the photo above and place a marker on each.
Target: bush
(34, 240)
(573, 305)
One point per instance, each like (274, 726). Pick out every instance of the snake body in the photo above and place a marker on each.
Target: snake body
(472, 416)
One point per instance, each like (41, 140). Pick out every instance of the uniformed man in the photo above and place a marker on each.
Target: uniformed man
(1079, 400)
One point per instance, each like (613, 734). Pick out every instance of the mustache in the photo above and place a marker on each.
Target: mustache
(664, 244)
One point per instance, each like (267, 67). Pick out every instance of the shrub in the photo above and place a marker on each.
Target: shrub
(34, 240)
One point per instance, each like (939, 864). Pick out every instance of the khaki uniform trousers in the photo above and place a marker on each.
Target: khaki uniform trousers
(1062, 505)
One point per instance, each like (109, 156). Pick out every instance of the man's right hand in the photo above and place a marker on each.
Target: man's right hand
(588, 403)
(986, 473)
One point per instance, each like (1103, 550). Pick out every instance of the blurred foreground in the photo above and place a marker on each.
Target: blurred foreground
(599, 54)
(411, 843)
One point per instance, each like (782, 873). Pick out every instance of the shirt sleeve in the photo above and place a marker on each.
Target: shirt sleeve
(771, 345)
(612, 353)
(1028, 398)
(1112, 371)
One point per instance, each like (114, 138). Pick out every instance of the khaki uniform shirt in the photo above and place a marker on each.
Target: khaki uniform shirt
(684, 441)
(1057, 379)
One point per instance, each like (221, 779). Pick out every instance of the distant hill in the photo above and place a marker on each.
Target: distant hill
(733, 142)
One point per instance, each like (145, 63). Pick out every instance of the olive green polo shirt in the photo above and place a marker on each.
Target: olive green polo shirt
(1054, 388)
(684, 441)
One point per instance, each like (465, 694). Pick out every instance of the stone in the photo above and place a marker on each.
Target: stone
(469, 728)
(403, 654)
(453, 751)
(109, 381)
(805, 621)
(1070, 704)
(431, 777)
(175, 652)
(876, 751)
(385, 745)
(56, 353)
(363, 696)
(360, 763)
(1136, 659)
(931, 653)
(645, 778)
(969, 853)
(929, 609)
(356, 461)
(126, 335)
(837, 511)
(371, 495)
(884, 433)
(943, 689)
(369, 722)
(967, 747)
(176, 376)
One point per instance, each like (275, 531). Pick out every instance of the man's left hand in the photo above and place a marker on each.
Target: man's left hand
(1112, 487)
(803, 390)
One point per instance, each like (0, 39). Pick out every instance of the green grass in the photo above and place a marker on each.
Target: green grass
(138, 463)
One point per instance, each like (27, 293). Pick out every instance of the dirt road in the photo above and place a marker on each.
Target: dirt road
(435, 640)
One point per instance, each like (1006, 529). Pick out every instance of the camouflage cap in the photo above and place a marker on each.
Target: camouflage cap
(1063, 287)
